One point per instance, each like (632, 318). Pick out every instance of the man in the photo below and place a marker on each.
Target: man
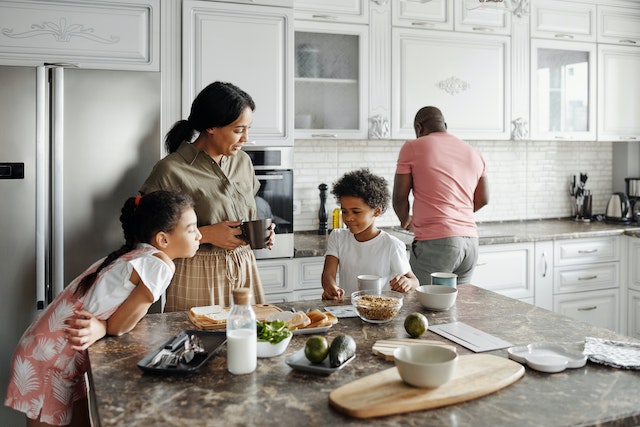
(448, 180)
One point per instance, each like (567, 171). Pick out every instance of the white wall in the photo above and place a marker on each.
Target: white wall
(527, 179)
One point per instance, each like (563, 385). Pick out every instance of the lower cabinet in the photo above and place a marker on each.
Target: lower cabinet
(506, 269)
(294, 279)
(633, 292)
(598, 308)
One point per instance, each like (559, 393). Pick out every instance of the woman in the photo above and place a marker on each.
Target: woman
(220, 178)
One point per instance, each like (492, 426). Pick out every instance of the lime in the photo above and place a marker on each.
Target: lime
(416, 324)
(316, 349)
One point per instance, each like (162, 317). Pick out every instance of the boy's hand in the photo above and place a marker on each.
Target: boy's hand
(400, 283)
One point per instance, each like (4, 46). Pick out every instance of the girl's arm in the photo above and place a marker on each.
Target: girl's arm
(329, 285)
(404, 283)
(84, 329)
(132, 310)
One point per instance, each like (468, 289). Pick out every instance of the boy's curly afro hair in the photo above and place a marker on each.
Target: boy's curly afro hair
(362, 183)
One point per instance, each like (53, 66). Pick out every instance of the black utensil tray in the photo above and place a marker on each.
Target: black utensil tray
(211, 342)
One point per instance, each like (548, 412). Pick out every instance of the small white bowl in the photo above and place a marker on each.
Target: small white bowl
(425, 365)
(266, 349)
(437, 297)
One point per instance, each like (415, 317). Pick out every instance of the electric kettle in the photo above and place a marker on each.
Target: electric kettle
(618, 209)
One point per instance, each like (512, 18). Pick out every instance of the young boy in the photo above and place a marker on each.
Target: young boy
(362, 248)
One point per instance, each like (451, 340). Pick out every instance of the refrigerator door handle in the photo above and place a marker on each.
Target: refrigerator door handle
(57, 191)
(41, 189)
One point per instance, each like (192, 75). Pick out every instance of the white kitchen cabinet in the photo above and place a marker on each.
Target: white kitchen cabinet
(481, 17)
(633, 322)
(110, 35)
(458, 15)
(506, 269)
(587, 280)
(619, 25)
(563, 90)
(277, 275)
(562, 20)
(633, 292)
(618, 93)
(469, 84)
(434, 15)
(331, 80)
(248, 45)
(543, 275)
(599, 308)
(353, 11)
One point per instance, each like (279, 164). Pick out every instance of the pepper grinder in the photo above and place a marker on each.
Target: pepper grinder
(322, 212)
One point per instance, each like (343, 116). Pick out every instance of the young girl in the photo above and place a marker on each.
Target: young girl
(363, 248)
(110, 297)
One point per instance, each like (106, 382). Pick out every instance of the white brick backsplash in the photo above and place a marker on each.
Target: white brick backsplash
(527, 179)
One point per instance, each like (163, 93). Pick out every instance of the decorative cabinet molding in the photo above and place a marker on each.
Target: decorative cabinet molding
(352, 11)
(469, 84)
(618, 93)
(118, 35)
(251, 46)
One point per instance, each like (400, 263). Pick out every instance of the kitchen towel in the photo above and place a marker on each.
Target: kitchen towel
(618, 354)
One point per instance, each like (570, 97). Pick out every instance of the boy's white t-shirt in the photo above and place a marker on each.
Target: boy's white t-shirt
(384, 255)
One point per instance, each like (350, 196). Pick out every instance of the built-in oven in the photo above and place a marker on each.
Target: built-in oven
(274, 170)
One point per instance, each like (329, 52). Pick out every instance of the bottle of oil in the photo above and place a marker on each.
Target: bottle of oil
(337, 218)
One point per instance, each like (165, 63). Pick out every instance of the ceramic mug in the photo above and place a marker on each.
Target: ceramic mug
(445, 279)
(257, 232)
(370, 281)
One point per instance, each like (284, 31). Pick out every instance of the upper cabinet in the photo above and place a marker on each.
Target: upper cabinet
(331, 85)
(250, 46)
(353, 11)
(618, 93)
(561, 20)
(434, 15)
(115, 35)
(563, 81)
(459, 15)
(466, 75)
(618, 25)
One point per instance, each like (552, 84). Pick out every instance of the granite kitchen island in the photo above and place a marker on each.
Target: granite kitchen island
(276, 395)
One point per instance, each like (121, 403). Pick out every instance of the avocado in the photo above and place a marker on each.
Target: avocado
(343, 347)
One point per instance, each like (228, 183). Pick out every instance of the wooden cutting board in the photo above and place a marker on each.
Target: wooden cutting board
(384, 348)
(384, 393)
(262, 312)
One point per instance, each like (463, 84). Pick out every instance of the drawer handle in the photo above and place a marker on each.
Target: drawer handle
(593, 307)
(329, 17)
(481, 264)
(421, 24)
(564, 36)
(324, 135)
(628, 41)
(587, 251)
(588, 278)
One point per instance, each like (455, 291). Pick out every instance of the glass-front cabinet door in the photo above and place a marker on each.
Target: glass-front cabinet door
(563, 76)
(330, 80)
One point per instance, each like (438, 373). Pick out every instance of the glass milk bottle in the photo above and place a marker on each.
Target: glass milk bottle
(241, 334)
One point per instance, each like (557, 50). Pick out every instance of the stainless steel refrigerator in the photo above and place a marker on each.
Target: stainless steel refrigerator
(74, 144)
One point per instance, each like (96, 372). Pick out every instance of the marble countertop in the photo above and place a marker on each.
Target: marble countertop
(276, 395)
(310, 244)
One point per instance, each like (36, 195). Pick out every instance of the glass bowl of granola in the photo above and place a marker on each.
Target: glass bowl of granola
(377, 306)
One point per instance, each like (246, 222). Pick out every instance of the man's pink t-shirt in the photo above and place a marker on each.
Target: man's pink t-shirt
(445, 172)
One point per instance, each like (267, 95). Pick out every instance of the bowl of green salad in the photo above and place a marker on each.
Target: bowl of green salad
(273, 338)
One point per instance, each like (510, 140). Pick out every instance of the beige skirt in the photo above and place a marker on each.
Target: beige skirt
(210, 277)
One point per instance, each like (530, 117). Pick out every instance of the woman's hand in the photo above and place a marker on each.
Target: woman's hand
(332, 292)
(272, 235)
(225, 235)
(83, 329)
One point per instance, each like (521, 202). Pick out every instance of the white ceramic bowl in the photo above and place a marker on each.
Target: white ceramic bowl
(425, 365)
(377, 306)
(266, 349)
(437, 297)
